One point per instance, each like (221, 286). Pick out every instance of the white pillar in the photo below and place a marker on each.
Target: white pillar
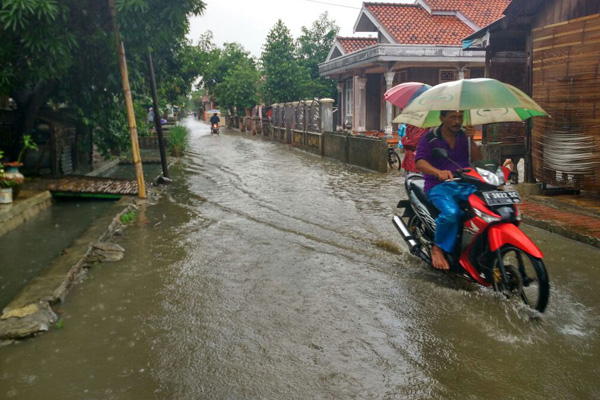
(362, 104)
(389, 81)
(326, 114)
(341, 112)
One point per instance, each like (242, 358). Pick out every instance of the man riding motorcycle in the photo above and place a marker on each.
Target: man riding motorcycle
(444, 193)
(214, 120)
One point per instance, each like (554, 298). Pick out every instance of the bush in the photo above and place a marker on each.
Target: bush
(178, 140)
(128, 216)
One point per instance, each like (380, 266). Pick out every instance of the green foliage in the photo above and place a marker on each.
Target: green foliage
(221, 61)
(285, 79)
(177, 140)
(313, 47)
(28, 144)
(59, 324)
(35, 42)
(239, 89)
(6, 183)
(111, 131)
(128, 216)
(233, 78)
(141, 107)
(3, 183)
(64, 51)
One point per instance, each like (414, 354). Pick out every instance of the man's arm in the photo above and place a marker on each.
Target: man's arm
(425, 167)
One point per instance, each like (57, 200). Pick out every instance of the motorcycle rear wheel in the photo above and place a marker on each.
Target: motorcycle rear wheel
(394, 160)
(533, 278)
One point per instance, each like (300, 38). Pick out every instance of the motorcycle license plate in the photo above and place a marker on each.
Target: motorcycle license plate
(501, 198)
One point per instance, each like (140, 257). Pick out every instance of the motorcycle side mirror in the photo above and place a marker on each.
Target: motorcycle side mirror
(439, 153)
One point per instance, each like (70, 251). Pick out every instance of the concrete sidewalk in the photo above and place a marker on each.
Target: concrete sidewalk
(576, 217)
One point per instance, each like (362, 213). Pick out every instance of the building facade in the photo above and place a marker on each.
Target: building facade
(414, 42)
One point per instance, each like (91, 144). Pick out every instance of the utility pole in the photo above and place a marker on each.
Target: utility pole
(135, 146)
(159, 132)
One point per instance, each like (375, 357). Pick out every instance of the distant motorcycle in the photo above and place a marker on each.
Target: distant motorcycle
(491, 250)
(214, 129)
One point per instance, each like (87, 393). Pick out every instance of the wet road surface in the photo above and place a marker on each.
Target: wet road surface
(266, 272)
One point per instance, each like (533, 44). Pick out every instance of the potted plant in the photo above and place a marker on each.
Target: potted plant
(11, 175)
(5, 186)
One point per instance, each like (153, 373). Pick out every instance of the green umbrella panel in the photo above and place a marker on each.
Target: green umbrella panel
(483, 101)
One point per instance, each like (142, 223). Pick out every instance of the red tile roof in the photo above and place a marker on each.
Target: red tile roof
(412, 24)
(481, 12)
(352, 44)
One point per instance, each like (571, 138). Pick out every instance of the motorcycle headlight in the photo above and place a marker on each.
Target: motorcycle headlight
(495, 179)
(486, 217)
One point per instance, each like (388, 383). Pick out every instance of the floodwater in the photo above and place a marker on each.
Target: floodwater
(265, 272)
(28, 249)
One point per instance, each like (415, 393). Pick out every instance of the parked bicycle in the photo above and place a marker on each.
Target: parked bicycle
(393, 158)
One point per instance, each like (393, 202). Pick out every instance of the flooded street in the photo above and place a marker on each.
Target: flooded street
(266, 272)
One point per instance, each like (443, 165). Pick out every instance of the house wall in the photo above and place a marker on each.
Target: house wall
(513, 73)
(566, 83)
(477, 72)
(373, 104)
(554, 11)
(429, 76)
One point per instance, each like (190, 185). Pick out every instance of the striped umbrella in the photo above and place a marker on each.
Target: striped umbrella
(402, 94)
(483, 100)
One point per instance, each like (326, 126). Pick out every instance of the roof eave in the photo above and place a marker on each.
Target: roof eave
(481, 32)
(404, 53)
(367, 22)
(338, 45)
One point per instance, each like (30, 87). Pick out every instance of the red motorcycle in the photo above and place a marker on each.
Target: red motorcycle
(491, 250)
(214, 128)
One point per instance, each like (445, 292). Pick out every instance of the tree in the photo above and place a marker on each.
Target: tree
(235, 78)
(285, 79)
(65, 51)
(313, 47)
(36, 47)
(223, 61)
(239, 89)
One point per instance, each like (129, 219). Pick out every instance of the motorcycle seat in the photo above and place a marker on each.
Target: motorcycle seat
(417, 186)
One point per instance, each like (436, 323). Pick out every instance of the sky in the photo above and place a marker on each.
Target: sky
(249, 22)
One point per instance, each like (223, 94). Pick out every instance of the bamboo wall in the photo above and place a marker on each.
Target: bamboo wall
(566, 83)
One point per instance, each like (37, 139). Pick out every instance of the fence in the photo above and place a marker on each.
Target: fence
(308, 125)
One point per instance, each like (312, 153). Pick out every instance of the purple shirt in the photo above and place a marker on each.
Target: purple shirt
(433, 139)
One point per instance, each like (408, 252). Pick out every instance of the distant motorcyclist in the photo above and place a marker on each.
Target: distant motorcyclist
(215, 119)
(445, 195)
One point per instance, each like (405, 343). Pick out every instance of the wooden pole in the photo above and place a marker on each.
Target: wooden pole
(157, 124)
(135, 146)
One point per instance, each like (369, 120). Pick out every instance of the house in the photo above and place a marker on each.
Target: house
(415, 42)
(550, 49)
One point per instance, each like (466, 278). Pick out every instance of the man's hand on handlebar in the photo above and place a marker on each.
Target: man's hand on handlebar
(444, 175)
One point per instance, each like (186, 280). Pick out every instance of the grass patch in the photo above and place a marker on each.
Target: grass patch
(177, 140)
(128, 216)
(388, 246)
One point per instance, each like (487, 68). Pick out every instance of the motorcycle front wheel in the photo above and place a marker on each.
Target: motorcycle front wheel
(532, 280)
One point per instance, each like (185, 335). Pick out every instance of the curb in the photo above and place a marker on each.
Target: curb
(559, 230)
(564, 219)
(15, 214)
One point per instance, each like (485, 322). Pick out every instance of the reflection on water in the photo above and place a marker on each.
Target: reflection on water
(258, 275)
